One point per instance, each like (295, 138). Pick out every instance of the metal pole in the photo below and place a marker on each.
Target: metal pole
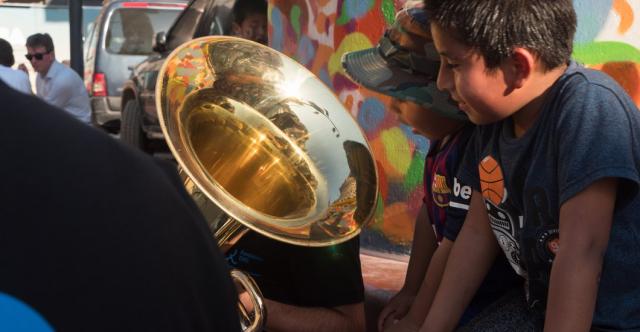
(75, 36)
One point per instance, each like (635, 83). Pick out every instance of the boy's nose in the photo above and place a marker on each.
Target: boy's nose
(444, 81)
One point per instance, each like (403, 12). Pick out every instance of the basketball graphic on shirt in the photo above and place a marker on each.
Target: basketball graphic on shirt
(491, 180)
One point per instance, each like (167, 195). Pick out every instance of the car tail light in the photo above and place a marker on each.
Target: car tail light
(152, 5)
(99, 88)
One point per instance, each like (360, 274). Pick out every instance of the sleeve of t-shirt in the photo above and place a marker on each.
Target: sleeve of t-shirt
(458, 207)
(461, 191)
(25, 84)
(597, 137)
(468, 171)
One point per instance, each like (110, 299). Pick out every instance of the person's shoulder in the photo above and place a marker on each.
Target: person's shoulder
(67, 78)
(67, 73)
(74, 142)
(579, 82)
(22, 76)
(11, 73)
(584, 90)
(4, 70)
(23, 82)
(96, 186)
(588, 98)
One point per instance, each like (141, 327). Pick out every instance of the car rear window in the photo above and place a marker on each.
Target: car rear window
(131, 30)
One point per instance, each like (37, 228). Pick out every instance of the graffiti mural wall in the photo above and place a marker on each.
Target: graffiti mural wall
(318, 32)
(608, 39)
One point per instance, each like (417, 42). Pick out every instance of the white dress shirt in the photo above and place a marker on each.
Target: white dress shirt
(62, 87)
(16, 79)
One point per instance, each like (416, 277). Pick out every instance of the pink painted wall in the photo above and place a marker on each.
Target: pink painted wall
(317, 32)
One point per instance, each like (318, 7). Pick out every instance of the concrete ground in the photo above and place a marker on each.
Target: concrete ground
(383, 276)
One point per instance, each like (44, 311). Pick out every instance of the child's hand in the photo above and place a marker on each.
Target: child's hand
(396, 309)
(403, 325)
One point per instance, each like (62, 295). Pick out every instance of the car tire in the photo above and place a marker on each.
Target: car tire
(131, 132)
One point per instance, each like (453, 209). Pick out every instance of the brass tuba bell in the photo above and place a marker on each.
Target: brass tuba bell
(261, 138)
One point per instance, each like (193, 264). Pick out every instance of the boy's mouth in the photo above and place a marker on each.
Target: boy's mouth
(453, 100)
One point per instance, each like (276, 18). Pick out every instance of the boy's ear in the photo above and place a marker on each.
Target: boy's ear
(523, 62)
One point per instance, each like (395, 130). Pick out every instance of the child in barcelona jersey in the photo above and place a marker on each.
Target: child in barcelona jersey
(404, 65)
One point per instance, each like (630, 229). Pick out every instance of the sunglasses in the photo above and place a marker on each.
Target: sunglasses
(37, 56)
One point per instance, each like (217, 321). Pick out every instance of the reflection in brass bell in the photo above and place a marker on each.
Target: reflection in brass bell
(262, 139)
(266, 141)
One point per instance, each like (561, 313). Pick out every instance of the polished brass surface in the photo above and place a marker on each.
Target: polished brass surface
(265, 141)
(249, 162)
(263, 144)
(250, 321)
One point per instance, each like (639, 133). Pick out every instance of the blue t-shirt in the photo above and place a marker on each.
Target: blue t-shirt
(588, 129)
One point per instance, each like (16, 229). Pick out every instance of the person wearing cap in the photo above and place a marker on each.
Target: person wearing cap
(404, 65)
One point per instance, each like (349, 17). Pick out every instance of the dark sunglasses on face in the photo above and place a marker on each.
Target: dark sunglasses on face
(37, 56)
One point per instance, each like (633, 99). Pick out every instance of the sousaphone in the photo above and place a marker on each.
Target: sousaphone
(262, 139)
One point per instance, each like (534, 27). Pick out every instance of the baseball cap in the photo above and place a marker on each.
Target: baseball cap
(403, 73)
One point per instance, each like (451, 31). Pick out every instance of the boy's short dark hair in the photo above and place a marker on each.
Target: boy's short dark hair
(495, 27)
(40, 40)
(6, 53)
(244, 8)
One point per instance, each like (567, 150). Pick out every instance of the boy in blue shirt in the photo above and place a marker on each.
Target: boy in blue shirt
(401, 67)
(554, 167)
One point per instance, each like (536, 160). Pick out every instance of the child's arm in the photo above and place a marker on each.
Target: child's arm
(424, 298)
(470, 259)
(422, 248)
(585, 224)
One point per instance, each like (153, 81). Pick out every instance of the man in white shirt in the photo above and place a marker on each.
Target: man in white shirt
(14, 78)
(56, 83)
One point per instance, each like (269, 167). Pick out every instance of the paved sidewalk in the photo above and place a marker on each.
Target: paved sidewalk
(383, 276)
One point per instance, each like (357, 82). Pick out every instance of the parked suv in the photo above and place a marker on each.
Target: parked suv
(121, 37)
(140, 126)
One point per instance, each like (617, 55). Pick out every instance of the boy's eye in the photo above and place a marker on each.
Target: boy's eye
(451, 65)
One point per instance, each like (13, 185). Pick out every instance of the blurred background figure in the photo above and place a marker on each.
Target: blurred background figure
(250, 20)
(56, 83)
(138, 33)
(14, 78)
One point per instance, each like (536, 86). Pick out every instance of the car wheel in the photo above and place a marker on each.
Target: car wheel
(131, 127)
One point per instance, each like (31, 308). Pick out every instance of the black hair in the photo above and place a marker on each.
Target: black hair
(6, 53)
(495, 27)
(244, 8)
(40, 40)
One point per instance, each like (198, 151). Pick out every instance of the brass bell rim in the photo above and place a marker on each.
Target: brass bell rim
(227, 203)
